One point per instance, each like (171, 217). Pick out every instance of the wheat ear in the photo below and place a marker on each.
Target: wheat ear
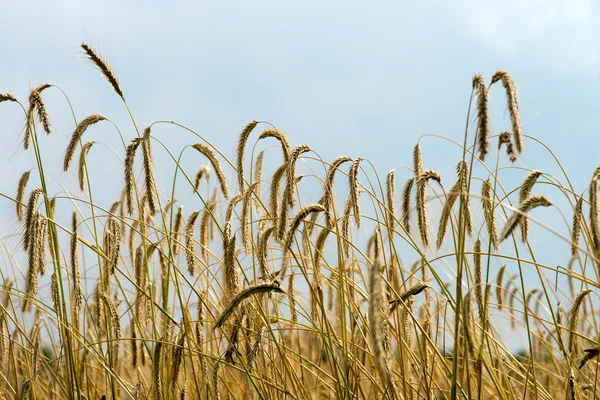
(189, 242)
(406, 204)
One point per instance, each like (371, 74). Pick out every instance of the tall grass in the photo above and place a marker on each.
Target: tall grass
(258, 291)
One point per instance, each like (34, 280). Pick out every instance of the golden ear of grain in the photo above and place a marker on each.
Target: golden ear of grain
(35, 102)
(576, 227)
(504, 138)
(216, 165)
(76, 137)
(451, 197)
(245, 219)
(177, 227)
(177, 359)
(522, 212)
(129, 176)
(103, 66)
(274, 195)
(390, 186)
(156, 370)
(417, 161)
(478, 288)
(354, 191)
(7, 97)
(406, 204)
(422, 203)
(203, 172)
(288, 195)
(524, 193)
(81, 171)
(318, 254)
(231, 277)
(262, 253)
(76, 294)
(488, 211)
(412, 291)
(512, 105)
(241, 150)
(29, 216)
(258, 168)
(112, 244)
(149, 180)
(500, 288)
(20, 193)
(280, 136)
(574, 319)
(114, 316)
(483, 129)
(189, 242)
(241, 296)
(327, 199)
(301, 216)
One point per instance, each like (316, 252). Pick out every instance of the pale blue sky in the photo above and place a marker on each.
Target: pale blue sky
(345, 77)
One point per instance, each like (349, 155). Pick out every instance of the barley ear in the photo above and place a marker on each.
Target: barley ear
(483, 129)
(241, 150)
(103, 66)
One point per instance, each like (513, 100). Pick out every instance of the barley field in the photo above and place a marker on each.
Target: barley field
(286, 276)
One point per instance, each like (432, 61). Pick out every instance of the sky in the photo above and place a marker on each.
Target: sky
(347, 77)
